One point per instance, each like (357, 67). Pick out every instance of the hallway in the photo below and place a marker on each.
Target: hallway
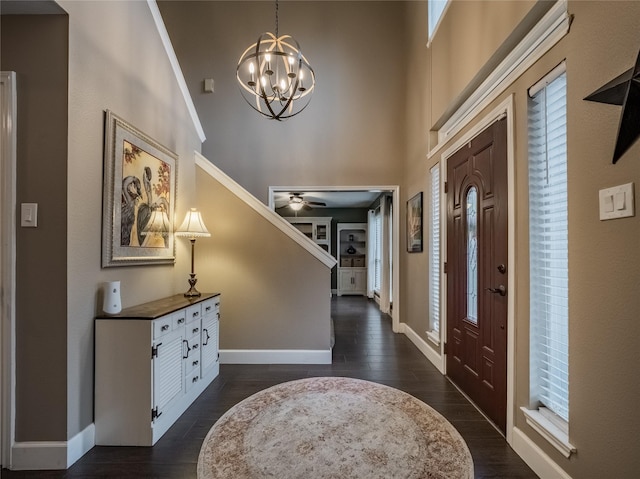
(365, 348)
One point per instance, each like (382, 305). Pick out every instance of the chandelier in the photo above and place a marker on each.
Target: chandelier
(274, 76)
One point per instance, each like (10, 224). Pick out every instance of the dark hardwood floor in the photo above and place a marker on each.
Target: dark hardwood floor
(365, 348)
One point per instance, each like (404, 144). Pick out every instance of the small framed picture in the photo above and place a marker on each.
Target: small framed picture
(139, 197)
(414, 224)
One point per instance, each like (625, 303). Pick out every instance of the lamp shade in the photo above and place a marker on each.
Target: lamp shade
(193, 226)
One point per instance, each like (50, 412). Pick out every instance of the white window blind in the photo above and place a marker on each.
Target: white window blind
(434, 256)
(548, 246)
(377, 225)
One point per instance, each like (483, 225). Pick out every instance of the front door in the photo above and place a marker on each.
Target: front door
(478, 270)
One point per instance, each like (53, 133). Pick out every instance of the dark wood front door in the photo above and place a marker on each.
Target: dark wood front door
(478, 271)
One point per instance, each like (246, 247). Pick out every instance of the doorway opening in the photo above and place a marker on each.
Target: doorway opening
(352, 210)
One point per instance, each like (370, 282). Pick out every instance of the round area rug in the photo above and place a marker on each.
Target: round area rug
(333, 428)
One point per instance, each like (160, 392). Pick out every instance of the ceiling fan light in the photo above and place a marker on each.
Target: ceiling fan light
(296, 203)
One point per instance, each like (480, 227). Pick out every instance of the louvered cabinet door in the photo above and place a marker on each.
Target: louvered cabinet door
(210, 328)
(168, 380)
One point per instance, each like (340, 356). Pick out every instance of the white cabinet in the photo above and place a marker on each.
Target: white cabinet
(352, 281)
(317, 229)
(149, 366)
(352, 258)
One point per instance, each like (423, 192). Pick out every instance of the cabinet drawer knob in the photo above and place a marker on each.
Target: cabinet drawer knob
(195, 330)
(195, 380)
(196, 314)
(207, 309)
(181, 320)
(195, 363)
(164, 327)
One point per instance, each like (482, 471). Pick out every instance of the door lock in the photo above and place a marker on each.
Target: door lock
(502, 269)
(501, 290)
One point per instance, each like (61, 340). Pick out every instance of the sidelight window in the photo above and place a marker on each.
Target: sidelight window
(548, 258)
(434, 256)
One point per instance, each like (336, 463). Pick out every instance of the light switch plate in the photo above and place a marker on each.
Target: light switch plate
(617, 202)
(29, 215)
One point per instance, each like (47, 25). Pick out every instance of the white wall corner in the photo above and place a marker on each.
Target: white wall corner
(535, 457)
(432, 355)
(275, 356)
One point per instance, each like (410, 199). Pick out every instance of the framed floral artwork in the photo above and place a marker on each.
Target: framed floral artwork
(414, 224)
(139, 197)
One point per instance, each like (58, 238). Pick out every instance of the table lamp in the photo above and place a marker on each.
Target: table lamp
(193, 227)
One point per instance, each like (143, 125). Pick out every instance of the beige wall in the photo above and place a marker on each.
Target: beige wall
(35, 47)
(352, 131)
(414, 267)
(116, 62)
(275, 295)
(604, 257)
(475, 34)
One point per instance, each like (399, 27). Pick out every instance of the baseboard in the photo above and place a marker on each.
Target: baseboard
(535, 457)
(423, 346)
(275, 356)
(80, 444)
(52, 455)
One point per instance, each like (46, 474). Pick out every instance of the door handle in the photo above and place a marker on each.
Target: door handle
(501, 290)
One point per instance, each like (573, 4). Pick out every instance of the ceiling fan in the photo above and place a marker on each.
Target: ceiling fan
(297, 202)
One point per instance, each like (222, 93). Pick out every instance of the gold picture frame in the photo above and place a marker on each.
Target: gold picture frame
(139, 197)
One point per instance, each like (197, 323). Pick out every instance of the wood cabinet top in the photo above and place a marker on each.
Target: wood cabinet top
(157, 308)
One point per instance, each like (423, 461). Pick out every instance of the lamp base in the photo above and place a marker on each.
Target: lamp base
(193, 292)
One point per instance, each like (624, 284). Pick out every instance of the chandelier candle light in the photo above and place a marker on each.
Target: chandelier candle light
(193, 227)
(274, 76)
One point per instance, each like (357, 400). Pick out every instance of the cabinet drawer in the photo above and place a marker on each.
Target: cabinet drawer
(193, 313)
(191, 364)
(193, 329)
(192, 379)
(162, 326)
(210, 306)
(179, 319)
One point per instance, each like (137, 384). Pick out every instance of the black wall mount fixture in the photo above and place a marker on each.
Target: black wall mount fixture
(623, 90)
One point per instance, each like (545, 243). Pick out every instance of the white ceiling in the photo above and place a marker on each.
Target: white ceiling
(333, 199)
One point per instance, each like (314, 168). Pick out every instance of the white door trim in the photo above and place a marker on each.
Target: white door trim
(504, 108)
(395, 191)
(8, 118)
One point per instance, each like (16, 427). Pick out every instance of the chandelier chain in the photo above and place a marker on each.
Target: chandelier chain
(277, 35)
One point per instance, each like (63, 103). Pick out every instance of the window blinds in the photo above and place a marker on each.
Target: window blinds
(434, 257)
(548, 246)
(377, 224)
